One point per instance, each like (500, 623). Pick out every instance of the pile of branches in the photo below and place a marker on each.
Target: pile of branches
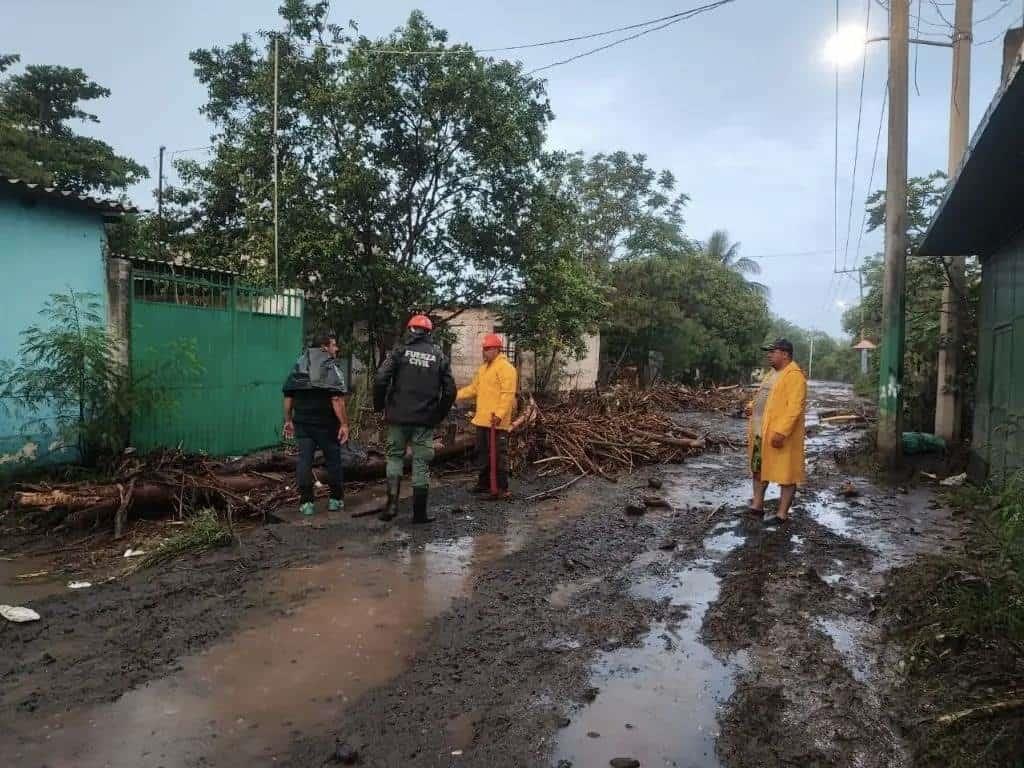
(168, 481)
(178, 484)
(614, 431)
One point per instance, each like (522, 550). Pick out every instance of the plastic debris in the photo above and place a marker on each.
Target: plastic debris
(18, 614)
(79, 584)
(955, 481)
(134, 552)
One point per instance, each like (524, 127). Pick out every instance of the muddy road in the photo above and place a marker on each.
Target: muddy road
(555, 633)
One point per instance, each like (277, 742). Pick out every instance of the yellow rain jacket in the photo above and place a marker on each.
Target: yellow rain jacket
(494, 387)
(783, 413)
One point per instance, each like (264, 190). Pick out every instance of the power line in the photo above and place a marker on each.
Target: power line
(670, 19)
(835, 163)
(683, 16)
(871, 178)
(793, 254)
(856, 145)
(917, 48)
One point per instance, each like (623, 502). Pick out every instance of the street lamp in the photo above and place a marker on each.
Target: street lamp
(846, 46)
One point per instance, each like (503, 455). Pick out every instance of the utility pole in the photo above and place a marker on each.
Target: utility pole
(890, 389)
(948, 403)
(810, 358)
(160, 202)
(277, 276)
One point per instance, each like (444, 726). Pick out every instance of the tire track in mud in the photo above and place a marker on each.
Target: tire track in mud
(496, 677)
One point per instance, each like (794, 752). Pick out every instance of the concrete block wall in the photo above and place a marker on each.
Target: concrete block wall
(469, 328)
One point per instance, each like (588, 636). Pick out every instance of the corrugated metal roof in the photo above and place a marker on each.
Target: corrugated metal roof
(982, 207)
(67, 197)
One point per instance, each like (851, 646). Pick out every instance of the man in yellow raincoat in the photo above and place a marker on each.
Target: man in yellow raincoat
(494, 389)
(776, 435)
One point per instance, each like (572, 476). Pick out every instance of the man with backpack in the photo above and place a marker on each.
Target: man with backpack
(415, 390)
(316, 416)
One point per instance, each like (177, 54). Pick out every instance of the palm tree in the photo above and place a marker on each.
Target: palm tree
(718, 248)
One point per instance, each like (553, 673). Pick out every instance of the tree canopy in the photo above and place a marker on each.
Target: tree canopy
(38, 143)
(727, 253)
(404, 181)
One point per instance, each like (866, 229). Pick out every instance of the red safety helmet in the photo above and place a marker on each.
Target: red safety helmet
(493, 341)
(422, 322)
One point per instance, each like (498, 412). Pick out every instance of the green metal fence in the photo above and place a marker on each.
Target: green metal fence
(246, 341)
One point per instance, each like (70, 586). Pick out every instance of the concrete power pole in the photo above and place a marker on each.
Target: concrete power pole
(948, 402)
(277, 269)
(890, 390)
(160, 202)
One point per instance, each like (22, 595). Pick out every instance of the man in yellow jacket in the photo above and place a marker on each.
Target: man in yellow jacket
(494, 389)
(776, 435)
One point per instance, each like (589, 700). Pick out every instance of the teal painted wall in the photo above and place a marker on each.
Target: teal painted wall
(44, 249)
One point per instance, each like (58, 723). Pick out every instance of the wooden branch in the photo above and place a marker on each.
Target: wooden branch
(680, 442)
(985, 711)
(122, 511)
(553, 491)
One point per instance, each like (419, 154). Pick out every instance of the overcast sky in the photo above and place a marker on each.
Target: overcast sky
(737, 103)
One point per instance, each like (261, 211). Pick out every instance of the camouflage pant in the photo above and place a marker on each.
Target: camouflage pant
(755, 457)
(422, 441)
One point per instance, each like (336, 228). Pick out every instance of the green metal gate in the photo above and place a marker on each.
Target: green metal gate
(246, 341)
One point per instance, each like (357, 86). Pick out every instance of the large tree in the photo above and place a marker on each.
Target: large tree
(404, 179)
(625, 209)
(700, 317)
(38, 143)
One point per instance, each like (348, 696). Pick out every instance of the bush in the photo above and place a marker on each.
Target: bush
(69, 374)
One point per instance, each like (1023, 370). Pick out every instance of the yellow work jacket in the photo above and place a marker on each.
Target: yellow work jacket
(494, 387)
(783, 413)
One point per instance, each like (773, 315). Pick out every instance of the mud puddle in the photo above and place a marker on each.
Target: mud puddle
(658, 703)
(24, 580)
(359, 619)
(853, 639)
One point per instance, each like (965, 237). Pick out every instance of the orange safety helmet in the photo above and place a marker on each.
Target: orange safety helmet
(493, 341)
(422, 322)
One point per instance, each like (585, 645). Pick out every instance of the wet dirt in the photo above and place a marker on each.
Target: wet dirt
(360, 618)
(25, 580)
(508, 634)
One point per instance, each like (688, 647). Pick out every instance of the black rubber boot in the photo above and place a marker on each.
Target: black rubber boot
(419, 506)
(390, 512)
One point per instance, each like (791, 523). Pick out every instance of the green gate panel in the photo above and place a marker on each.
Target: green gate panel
(245, 341)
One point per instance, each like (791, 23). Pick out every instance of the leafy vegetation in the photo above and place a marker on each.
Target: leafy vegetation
(420, 183)
(70, 377)
(719, 248)
(202, 533)
(38, 145)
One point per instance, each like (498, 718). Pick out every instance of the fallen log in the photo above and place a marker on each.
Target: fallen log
(90, 504)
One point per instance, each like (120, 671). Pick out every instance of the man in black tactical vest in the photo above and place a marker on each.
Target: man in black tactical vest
(415, 389)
